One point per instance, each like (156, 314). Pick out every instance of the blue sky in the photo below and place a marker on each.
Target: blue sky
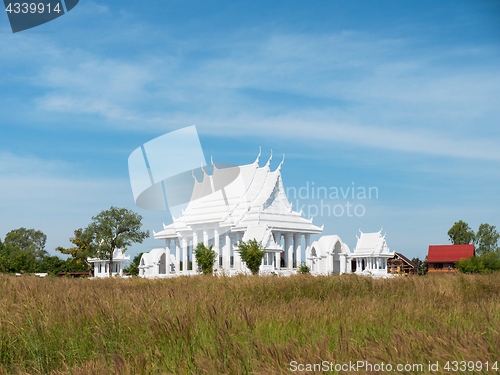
(398, 95)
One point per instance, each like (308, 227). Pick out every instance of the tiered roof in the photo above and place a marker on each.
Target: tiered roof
(371, 244)
(255, 197)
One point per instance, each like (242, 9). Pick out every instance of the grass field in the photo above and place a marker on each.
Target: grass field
(244, 325)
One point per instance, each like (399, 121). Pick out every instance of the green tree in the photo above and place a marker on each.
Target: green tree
(113, 229)
(486, 239)
(5, 263)
(251, 253)
(422, 267)
(461, 234)
(82, 250)
(52, 265)
(24, 262)
(30, 241)
(484, 263)
(206, 258)
(133, 268)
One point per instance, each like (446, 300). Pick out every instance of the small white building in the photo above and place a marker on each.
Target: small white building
(329, 255)
(101, 267)
(371, 254)
(154, 263)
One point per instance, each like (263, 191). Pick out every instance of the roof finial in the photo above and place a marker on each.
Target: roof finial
(258, 156)
(279, 166)
(380, 231)
(270, 158)
(192, 172)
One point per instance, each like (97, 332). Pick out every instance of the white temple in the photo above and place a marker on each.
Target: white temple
(255, 206)
(101, 267)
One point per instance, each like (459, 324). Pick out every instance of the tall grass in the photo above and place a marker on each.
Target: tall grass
(243, 325)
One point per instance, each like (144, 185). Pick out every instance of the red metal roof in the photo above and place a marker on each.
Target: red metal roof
(449, 253)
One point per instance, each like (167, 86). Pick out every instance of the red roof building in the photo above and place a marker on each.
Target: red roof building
(442, 258)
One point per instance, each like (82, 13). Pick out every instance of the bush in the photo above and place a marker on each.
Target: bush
(133, 268)
(251, 253)
(304, 269)
(484, 263)
(206, 258)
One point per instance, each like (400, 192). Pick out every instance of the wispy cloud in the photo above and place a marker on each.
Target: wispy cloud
(347, 87)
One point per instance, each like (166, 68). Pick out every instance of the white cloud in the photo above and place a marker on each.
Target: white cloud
(346, 87)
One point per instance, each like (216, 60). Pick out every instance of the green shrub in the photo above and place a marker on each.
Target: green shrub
(206, 258)
(304, 269)
(251, 253)
(484, 263)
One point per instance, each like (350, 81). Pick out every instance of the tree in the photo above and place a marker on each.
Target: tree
(133, 268)
(80, 253)
(113, 229)
(206, 258)
(461, 234)
(484, 263)
(422, 267)
(24, 262)
(486, 239)
(30, 241)
(251, 253)
(52, 265)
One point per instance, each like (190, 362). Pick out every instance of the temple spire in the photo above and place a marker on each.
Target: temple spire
(258, 156)
(279, 166)
(270, 158)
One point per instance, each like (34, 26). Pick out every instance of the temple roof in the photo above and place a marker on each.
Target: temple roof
(255, 197)
(262, 234)
(118, 255)
(371, 244)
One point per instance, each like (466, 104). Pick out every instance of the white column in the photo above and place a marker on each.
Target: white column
(184, 255)
(195, 243)
(298, 248)
(277, 255)
(343, 263)
(205, 237)
(236, 254)
(168, 241)
(226, 256)
(289, 250)
(216, 246)
(177, 256)
(307, 238)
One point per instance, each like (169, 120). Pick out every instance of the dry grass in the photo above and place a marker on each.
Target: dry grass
(243, 325)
